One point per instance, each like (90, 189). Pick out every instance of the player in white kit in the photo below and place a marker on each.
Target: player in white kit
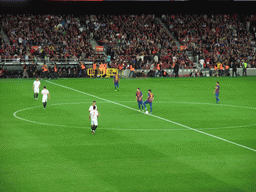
(91, 107)
(36, 86)
(45, 94)
(94, 119)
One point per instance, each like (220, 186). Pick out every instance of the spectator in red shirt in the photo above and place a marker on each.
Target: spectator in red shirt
(1, 73)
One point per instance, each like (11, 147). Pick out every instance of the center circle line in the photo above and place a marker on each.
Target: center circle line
(15, 115)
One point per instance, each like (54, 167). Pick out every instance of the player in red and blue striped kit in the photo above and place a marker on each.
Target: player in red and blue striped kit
(149, 100)
(139, 98)
(217, 91)
(116, 81)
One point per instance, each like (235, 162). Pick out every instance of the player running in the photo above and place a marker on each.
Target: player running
(45, 94)
(116, 81)
(36, 86)
(149, 100)
(217, 91)
(94, 119)
(139, 98)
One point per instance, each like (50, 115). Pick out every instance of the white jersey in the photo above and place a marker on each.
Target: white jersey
(45, 93)
(36, 84)
(94, 115)
(91, 108)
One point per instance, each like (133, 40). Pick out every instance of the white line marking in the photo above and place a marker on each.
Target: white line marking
(243, 146)
(232, 127)
(197, 103)
(49, 124)
(15, 115)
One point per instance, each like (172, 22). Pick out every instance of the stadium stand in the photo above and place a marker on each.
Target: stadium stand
(138, 40)
(132, 39)
(215, 37)
(48, 37)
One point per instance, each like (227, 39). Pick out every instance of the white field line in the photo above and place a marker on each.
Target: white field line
(71, 126)
(176, 123)
(197, 103)
(15, 115)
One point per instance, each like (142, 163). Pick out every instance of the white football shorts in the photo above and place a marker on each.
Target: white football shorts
(36, 90)
(44, 99)
(94, 122)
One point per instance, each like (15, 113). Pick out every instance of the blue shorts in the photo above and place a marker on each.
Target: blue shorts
(116, 84)
(146, 102)
(140, 102)
(216, 94)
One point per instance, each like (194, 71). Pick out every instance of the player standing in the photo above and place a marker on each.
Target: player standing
(149, 100)
(45, 94)
(116, 81)
(91, 107)
(217, 91)
(36, 86)
(94, 119)
(139, 98)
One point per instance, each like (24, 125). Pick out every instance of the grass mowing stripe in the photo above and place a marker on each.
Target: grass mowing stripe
(222, 139)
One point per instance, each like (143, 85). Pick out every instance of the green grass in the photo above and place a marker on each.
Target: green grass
(54, 150)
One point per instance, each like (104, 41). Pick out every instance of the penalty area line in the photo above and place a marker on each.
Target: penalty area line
(158, 117)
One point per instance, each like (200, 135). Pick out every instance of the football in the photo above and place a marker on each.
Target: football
(146, 112)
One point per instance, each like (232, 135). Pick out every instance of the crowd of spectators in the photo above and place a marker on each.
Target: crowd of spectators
(45, 37)
(215, 37)
(132, 40)
(1, 40)
(135, 40)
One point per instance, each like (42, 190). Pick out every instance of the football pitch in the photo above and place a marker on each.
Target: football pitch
(189, 143)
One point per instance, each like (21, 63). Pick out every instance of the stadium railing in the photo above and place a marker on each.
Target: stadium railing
(16, 65)
(45, 61)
